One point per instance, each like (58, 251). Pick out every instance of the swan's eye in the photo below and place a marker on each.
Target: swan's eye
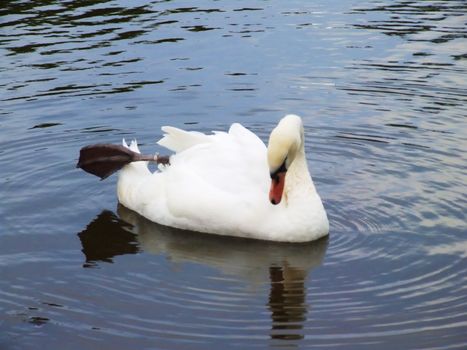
(281, 169)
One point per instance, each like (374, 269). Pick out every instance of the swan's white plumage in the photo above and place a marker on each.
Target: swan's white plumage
(219, 184)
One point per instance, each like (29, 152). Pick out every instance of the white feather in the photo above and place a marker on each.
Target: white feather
(219, 184)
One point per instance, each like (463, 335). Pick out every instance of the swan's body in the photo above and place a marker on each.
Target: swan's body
(219, 184)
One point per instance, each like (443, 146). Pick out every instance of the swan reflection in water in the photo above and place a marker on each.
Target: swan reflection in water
(284, 266)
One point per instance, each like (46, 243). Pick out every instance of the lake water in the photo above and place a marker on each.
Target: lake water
(382, 89)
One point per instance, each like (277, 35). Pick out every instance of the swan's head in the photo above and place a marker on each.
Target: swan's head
(285, 142)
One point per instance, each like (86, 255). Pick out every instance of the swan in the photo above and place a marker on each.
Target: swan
(229, 183)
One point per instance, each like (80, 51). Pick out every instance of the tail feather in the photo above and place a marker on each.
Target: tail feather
(178, 140)
(132, 146)
(140, 167)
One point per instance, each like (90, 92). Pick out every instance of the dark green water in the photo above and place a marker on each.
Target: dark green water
(382, 89)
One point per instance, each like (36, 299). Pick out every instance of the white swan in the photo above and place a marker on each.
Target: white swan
(219, 184)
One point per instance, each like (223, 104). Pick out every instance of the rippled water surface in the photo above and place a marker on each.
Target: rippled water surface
(382, 88)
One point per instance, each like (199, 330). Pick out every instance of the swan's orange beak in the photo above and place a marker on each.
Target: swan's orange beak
(277, 187)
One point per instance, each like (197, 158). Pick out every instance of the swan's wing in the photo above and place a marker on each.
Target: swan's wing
(219, 177)
(178, 140)
(232, 160)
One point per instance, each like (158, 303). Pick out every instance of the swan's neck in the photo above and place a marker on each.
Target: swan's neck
(298, 183)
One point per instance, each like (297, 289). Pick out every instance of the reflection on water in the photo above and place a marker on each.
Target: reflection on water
(105, 237)
(240, 258)
(286, 266)
(287, 302)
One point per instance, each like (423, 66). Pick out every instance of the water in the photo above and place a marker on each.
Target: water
(381, 86)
